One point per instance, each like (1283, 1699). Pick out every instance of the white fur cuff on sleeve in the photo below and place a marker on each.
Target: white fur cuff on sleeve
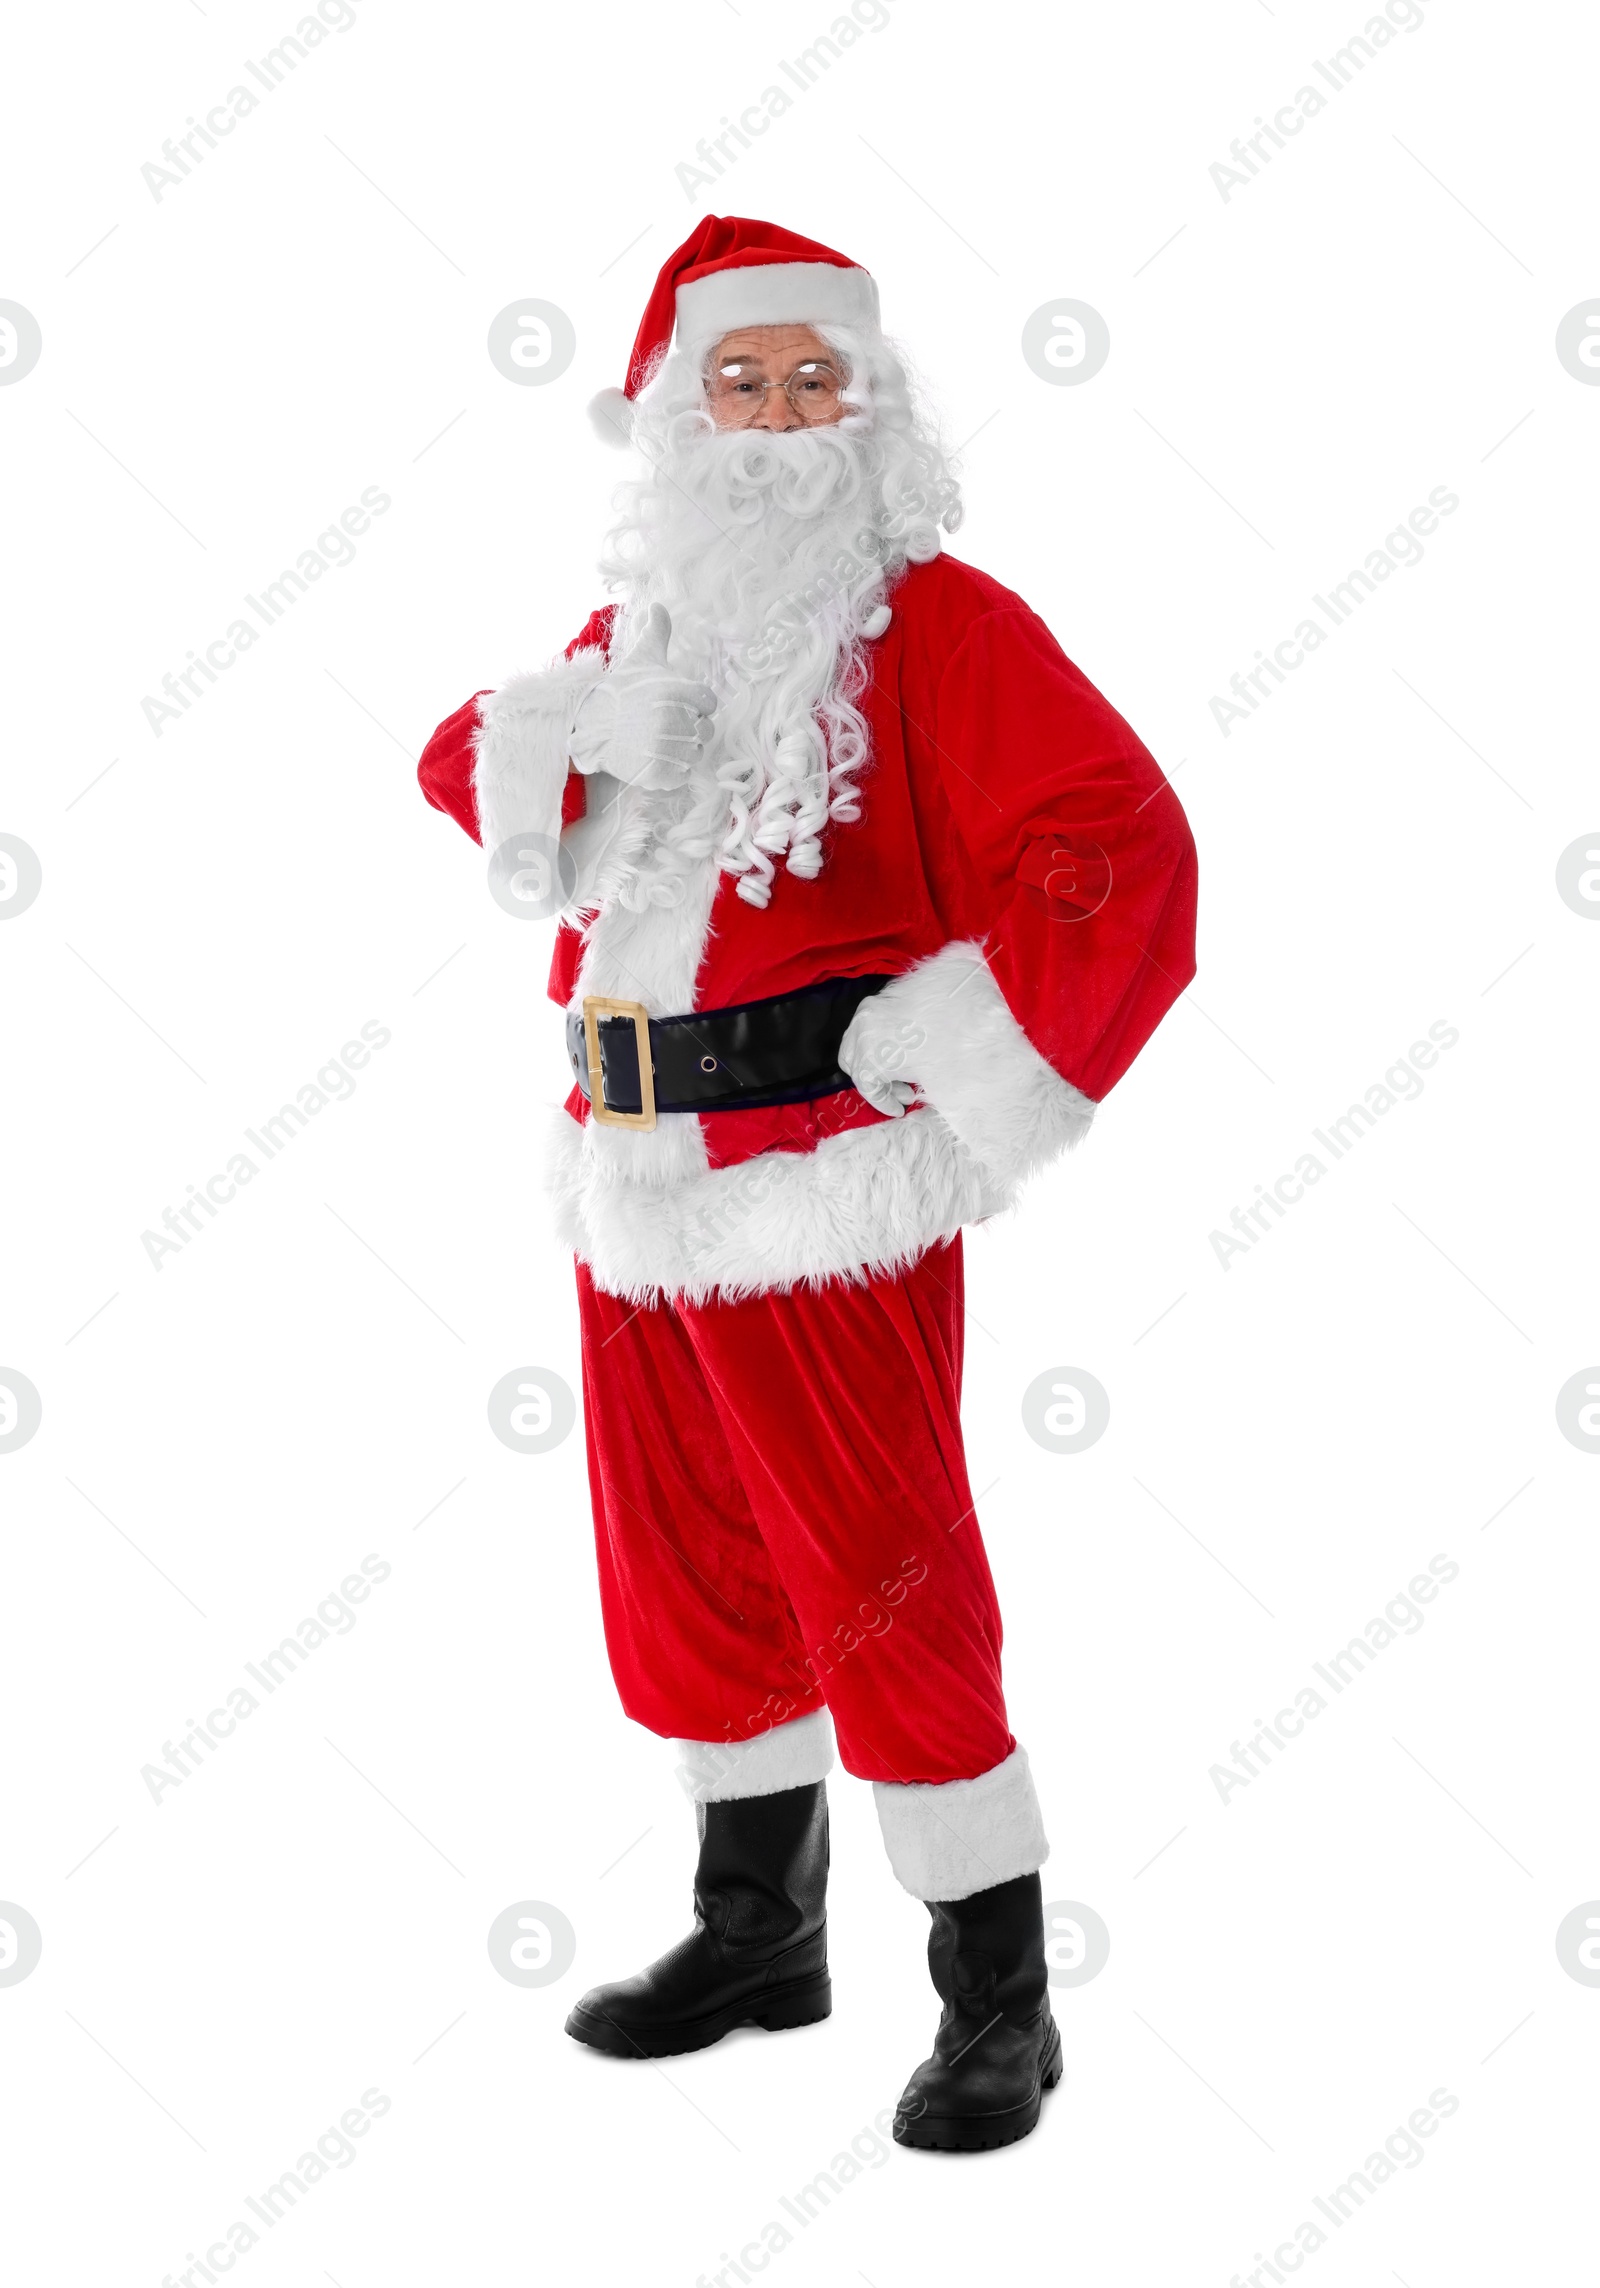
(1008, 1106)
(523, 745)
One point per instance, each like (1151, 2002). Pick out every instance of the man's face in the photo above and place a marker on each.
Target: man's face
(774, 377)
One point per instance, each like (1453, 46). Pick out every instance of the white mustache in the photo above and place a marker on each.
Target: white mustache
(748, 472)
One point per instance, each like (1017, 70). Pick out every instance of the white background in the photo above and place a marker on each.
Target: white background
(1372, 1384)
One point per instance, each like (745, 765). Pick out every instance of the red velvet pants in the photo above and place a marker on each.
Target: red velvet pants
(783, 1520)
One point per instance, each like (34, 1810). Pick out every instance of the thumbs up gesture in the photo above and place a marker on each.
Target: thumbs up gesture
(640, 722)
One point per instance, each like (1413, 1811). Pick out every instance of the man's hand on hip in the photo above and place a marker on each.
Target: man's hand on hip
(875, 1052)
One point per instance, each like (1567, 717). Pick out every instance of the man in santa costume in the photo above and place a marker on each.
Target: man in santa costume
(869, 898)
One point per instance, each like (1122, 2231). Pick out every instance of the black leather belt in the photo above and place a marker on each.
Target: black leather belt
(783, 1050)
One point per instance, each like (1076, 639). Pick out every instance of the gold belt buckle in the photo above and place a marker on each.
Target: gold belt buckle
(596, 1006)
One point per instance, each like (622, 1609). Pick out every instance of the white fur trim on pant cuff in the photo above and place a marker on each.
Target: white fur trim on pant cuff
(726, 1771)
(523, 744)
(947, 1841)
(977, 1067)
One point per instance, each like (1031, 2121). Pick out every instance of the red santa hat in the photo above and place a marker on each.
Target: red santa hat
(732, 271)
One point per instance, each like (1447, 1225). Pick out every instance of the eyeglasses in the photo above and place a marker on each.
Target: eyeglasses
(814, 390)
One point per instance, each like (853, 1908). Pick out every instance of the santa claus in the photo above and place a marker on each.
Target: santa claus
(869, 897)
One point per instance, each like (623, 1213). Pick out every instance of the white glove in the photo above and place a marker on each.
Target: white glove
(639, 722)
(875, 1051)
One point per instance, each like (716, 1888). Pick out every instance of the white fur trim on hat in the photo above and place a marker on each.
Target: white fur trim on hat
(947, 1840)
(726, 1771)
(776, 294)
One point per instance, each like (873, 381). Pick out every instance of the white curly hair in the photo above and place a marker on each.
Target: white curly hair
(772, 553)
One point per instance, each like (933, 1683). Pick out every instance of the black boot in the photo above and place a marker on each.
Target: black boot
(758, 1953)
(997, 2049)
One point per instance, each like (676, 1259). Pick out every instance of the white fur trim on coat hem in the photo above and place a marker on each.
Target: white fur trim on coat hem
(727, 1771)
(947, 1840)
(655, 1223)
(866, 1202)
(523, 744)
(977, 1067)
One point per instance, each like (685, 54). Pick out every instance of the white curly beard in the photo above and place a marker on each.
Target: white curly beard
(771, 553)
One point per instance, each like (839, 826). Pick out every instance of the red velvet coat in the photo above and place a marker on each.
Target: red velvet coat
(1005, 804)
